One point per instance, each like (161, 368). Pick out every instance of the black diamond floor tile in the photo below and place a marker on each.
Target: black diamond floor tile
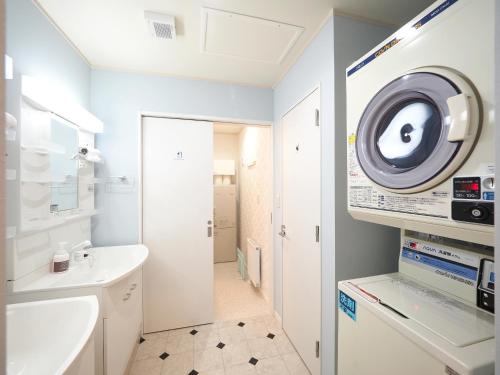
(271, 336)
(241, 324)
(141, 340)
(193, 332)
(193, 372)
(220, 345)
(253, 361)
(164, 355)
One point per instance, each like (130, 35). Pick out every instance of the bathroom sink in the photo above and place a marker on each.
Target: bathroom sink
(48, 337)
(106, 266)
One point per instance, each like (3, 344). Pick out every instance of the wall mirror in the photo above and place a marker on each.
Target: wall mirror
(64, 165)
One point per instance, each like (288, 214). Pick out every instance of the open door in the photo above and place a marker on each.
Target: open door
(177, 216)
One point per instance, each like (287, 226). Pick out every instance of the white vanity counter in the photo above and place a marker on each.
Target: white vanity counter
(109, 265)
(114, 275)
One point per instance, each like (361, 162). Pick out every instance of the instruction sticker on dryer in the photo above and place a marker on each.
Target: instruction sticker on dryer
(347, 305)
(363, 193)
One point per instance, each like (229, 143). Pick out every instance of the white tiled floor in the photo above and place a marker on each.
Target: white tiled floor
(245, 339)
(223, 348)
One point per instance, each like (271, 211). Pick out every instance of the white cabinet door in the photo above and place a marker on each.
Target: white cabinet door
(301, 215)
(122, 310)
(177, 217)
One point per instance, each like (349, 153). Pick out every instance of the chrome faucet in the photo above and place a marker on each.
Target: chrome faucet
(81, 252)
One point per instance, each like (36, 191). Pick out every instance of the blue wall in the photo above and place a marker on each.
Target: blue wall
(118, 98)
(40, 50)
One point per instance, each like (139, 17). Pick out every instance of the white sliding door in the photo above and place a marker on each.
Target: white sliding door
(301, 219)
(177, 219)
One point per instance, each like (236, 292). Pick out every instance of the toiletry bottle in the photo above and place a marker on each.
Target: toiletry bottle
(60, 263)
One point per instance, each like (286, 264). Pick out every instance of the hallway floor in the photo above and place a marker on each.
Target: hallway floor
(245, 338)
(233, 297)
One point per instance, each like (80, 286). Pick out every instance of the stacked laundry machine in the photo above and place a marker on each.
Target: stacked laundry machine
(420, 154)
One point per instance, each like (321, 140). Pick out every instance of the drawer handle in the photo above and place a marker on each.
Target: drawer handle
(134, 285)
(127, 296)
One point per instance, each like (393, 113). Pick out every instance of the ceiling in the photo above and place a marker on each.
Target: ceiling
(113, 34)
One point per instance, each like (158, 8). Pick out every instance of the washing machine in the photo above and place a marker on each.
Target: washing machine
(434, 316)
(420, 125)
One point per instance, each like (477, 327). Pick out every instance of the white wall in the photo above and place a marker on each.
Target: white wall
(340, 41)
(226, 147)
(255, 198)
(117, 98)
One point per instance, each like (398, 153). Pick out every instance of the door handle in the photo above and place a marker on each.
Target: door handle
(460, 117)
(282, 233)
(209, 228)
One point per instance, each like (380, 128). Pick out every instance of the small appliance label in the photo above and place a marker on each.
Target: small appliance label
(489, 196)
(449, 263)
(421, 22)
(347, 305)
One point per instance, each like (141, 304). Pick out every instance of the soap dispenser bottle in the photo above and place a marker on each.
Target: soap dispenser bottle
(60, 263)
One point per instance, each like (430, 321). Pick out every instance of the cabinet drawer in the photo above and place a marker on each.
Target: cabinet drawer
(124, 296)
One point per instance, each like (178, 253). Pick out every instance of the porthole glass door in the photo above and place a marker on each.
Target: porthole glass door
(402, 138)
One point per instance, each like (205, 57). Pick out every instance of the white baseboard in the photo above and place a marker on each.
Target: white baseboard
(278, 318)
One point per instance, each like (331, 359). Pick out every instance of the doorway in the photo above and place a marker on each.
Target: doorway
(200, 315)
(242, 220)
(301, 194)
(206, 219)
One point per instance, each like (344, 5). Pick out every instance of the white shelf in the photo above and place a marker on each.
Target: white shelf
(10, 232)
(57, 219)
(44, 148)
(62, 181)
(10, 174)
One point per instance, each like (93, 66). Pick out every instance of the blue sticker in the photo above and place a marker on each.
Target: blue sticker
(347, 305)
(456, 268)
(489, 196)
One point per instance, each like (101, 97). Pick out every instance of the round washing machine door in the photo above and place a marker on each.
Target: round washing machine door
(418, 130)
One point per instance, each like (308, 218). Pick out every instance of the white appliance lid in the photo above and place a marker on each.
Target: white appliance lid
(453, 320)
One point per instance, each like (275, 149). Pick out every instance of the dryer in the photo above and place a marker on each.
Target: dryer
(420, 125)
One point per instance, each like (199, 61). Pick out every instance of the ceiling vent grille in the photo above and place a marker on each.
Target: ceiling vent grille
(161, 26)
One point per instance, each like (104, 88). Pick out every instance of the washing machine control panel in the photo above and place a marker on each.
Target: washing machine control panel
(486, 286)
(473, 199)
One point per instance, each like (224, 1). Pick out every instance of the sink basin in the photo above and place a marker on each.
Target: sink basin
(109, 265)
(49, 337)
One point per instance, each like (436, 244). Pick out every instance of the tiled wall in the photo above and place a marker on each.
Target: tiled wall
(255, 197)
